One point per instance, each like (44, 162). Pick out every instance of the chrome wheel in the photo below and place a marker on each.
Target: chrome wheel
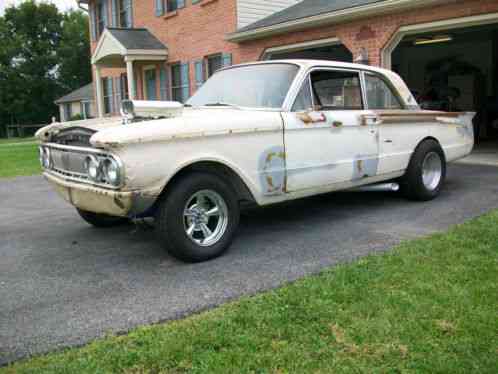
(205, 217)
(432, 170)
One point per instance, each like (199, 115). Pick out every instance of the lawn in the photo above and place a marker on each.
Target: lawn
(19, 157)
(430, 305)
(16, 140)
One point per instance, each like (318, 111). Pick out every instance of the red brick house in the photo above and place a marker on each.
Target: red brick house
(446, 50)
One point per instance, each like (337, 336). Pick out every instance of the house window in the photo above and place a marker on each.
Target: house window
(180, 82)
(108, 98)
(125, 13)
(100, 17)
(214, 63)
(67, 112)
(85, 109)
(171, 5)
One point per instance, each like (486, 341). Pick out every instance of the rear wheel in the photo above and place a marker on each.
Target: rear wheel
(197, 219)
(101, 220)
(426, 172)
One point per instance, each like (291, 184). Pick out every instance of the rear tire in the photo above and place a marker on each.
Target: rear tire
(101, 220)
(426, 172)
(197, 219)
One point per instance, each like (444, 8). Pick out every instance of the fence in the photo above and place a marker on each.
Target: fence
(20, 131)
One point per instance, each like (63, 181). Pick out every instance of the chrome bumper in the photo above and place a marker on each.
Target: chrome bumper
(101, 200)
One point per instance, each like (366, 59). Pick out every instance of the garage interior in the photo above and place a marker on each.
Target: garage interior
(455, 70)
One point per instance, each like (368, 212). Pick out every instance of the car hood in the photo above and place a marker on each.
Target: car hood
(194, 122)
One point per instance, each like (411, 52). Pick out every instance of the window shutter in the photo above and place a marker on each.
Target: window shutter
(82, 109)
(93, 25)
(106, 13)
(199, 73)
(184, 71)
(164, 83)
(117, 93)
(180, 4)
(159, 7)
(226, 59)
(110, 88)
(129, 13)
(114, 11)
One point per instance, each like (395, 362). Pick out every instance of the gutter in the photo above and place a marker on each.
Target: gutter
(388, 6)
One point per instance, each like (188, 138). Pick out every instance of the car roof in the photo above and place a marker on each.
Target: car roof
(309, 63)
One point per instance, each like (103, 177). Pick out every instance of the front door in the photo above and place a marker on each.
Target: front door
(150, 84)
(329, 137)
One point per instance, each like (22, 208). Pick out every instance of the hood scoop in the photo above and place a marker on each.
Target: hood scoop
(139, 110)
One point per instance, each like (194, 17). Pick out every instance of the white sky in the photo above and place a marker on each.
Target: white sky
(61, 4)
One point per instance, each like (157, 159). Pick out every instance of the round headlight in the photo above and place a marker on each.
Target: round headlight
(93, 168)
(112, 171)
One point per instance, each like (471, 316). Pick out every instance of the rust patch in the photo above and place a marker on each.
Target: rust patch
(272, 171)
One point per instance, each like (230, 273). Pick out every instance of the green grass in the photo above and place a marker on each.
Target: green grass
(431, 306)
(19, 159)
(16, 140)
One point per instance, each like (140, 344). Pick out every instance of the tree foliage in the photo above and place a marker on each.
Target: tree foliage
(43, 55)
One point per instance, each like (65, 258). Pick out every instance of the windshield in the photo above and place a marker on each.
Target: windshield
(253, 86)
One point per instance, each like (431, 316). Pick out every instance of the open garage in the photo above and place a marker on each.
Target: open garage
(454, 70)
(331, 50)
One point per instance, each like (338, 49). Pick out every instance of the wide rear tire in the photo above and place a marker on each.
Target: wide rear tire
(426, 172)
(196, 220)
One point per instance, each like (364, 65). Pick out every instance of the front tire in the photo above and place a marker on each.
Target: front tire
(101, 220)
(426, 172)
(197, 219)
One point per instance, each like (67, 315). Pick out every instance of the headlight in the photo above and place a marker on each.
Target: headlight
(45, 157)
(112, 171)
(93, 168)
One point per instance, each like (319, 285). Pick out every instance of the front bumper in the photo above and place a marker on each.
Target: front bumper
(101, 200)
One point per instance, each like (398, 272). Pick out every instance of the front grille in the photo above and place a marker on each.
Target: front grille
(68, 162)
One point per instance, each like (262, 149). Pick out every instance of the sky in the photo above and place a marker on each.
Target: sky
(61, 4)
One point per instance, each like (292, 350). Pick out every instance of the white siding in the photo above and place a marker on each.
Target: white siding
(249, 11)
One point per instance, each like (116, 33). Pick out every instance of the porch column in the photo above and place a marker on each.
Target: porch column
(131, 79)
(100, 92)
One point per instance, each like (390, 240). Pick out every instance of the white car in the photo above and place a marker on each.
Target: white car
(263, 132)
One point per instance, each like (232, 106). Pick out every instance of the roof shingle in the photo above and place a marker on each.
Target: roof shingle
(136, 38)
(82, 93)
(304, 9)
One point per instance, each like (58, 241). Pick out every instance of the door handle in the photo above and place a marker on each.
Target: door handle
(370, 120)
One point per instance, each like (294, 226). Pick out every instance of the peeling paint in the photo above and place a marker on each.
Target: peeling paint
(272, 171)
(365, 166)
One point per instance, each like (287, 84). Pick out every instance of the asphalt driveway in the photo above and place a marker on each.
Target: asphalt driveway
(64, 283)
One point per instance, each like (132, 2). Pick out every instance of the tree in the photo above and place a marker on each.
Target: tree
(74, 69)
(43, 55)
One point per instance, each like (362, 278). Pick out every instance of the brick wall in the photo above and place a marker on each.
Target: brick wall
(199, 30)
(382, 29)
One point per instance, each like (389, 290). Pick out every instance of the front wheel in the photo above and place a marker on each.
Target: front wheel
(426, 172)
(197, 219)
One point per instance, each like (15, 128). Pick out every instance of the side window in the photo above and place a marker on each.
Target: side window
(379, 94)
(337, 90)
(303, 99)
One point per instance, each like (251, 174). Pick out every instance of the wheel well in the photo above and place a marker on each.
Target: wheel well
(219, 169)
(431, 138)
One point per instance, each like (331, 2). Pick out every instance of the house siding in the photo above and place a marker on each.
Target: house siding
(250, 11)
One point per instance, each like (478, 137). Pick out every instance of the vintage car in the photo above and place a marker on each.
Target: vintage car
(262, 133)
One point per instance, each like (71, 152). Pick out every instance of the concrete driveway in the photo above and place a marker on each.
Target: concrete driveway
(64, 283)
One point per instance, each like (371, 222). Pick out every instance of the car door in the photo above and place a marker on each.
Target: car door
(329, 137)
